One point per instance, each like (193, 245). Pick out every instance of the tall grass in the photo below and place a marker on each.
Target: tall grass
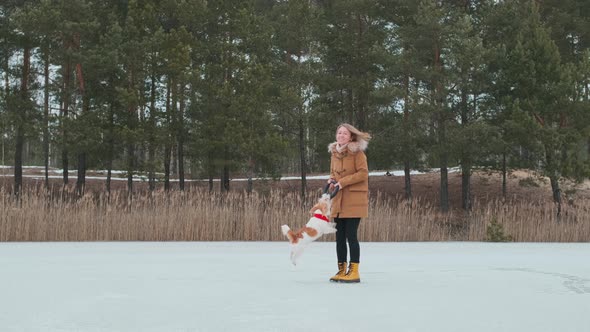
(198, 215)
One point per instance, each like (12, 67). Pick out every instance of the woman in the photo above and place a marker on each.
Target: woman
(349, 171)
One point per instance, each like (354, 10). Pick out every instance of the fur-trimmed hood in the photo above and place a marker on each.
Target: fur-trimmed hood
(354, 147)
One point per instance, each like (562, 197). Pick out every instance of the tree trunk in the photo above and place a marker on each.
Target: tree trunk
(362, 94)
(444, 183)
(556, 193)
(407, 181)
(65, 114)
(466, 186)
(131, 108)
(360, 106)
(130, 164)
(110, 146)
(18, 159)
(46, 117)
(81, 180)
(442, 140)
(167, 154)
(21, 118)
(167, 141)
(130, 168)
(6, 78)
(504, 175)
(553, 178)
(350, 107)
(180, 140)
(465, 158)
(181, 163)
(225, 179)
(152, 139)
(174, 157)
(173, 129)
(6, 94)
(444, 177)
(586, 89)
(407, 169)
(302, 158)
(224, 183)
(151, 172)
(250, 184)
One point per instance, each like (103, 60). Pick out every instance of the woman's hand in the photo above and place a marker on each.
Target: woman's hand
(333, 183)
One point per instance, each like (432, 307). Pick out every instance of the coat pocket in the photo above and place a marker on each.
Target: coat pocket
(361, 186)
(356, 198)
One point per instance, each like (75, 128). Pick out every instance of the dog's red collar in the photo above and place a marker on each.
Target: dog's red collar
(321, 216)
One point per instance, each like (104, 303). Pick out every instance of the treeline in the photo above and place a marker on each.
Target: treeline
(216, 89)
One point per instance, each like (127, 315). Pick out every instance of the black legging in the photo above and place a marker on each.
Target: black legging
(346, 229)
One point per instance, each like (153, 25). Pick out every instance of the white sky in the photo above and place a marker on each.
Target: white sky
(251, 286)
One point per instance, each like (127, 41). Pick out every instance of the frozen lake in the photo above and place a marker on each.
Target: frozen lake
(251, 286)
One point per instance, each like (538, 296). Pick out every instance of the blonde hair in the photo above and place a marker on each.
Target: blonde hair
(355, 133)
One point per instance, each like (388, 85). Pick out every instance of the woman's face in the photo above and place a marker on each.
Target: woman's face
(343, 136)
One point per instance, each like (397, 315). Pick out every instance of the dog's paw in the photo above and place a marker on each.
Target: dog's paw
(331, 228)
(296, 252)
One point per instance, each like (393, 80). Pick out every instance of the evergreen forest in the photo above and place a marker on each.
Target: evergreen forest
(196, 89)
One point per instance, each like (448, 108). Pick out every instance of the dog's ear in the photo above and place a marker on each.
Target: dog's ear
(315, 207)
(323, 206)
(324, 209)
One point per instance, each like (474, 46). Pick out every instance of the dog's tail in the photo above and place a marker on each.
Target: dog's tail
(285, 229)
(288, 233)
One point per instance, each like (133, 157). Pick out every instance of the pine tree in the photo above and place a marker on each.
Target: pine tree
(353, 55)
(294, 24)
(433, 33)
(545, 91)
(465, 68)
(42, 18)
(23, 111)
(237, 131)
(130, 93)
(6, 51)
(568, 22)
(404, 128)
(110, 105)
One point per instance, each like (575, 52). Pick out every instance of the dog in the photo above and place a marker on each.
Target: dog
(318, 225)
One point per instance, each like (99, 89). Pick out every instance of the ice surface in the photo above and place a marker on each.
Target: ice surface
(252, 286)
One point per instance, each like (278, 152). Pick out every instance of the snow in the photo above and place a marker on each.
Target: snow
(251, 286)
(117, 174)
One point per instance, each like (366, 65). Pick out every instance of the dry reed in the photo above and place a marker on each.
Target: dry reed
(198, 215)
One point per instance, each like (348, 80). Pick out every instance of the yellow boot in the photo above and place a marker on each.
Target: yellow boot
(341, 272)
(352, 275)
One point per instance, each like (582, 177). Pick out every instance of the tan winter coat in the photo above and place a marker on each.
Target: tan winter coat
(351, 170)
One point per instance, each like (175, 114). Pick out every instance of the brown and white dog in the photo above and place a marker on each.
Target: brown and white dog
(318, 225)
